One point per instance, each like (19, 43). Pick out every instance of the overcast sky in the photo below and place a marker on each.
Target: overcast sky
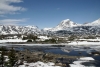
(47, 13)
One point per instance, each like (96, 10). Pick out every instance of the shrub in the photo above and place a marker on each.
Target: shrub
(29, 40)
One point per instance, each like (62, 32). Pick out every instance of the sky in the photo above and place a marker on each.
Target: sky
(48, 13)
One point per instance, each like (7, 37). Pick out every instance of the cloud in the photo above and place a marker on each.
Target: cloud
(7, 8)
(12, 21)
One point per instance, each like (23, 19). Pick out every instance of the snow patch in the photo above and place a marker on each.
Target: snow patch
(12, 40)
(39, 64)
(81, 60)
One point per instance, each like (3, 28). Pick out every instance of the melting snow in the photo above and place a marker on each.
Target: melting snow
(81, 60)
(39, 64)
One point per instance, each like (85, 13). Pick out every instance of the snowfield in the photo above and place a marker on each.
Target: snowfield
(84, 43)
(36, 64)
(72, 43)
(81, 60)
(39, 64)
(50, 64)
(12, 40)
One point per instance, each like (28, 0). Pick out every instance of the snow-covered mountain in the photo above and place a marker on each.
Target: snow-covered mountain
(69, 27)
(64, 25)
(94, 23)
(45, 29)
(11, 29)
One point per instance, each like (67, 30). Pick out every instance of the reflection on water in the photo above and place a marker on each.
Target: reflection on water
(92, 63)
(71, 53)
(79, 52)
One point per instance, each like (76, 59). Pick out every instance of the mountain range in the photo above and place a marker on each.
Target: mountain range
(64, 27)
(12, 29)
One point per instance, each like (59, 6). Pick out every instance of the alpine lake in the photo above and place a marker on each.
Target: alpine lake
(62, 53)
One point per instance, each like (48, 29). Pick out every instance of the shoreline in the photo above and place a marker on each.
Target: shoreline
(50, 44)
(36, 56)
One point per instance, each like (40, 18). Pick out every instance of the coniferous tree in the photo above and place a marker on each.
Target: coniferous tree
(12, 57)
(2, 56)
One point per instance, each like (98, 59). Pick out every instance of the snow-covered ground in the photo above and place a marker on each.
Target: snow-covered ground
(84, 43)
(81, 60)
(72, 43)
(39, 64)
(51, 64)
(12, 40)
(36, 64)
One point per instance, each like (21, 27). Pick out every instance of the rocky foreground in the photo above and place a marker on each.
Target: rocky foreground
(59, 60)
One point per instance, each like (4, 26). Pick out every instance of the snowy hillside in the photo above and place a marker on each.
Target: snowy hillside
(11, 29)
(65, 24)
(94, 23)
(69, 27)
(45, 29)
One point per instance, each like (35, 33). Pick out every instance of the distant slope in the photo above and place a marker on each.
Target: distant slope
(65, 24)
(64, 27)
(11, 29)
(94, 23)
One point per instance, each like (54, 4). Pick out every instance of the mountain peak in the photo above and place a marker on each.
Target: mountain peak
(94, 23)
(67, 23)
(64, 24)
(66, 20)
